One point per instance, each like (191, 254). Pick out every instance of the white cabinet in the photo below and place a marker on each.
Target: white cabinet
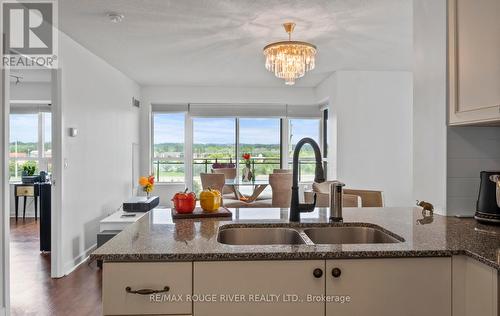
(125, 287)
(259, 288)
(475, 288)
(474, 63)
(389, 287)
(442, 286)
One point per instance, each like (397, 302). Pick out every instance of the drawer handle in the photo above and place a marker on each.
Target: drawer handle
(128, 289)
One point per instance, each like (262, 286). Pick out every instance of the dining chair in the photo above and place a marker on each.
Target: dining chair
(369, 198)
(212, 180)
(323, 199)
(282, 171)
(281, 186)
(366, 198)
(229, 173)
(217, 181)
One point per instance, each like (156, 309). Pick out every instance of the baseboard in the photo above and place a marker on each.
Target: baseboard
(20, 216)
(76, 262)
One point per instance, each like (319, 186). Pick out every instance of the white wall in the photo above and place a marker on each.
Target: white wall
(30, 91)
(194, 94)
(97, 174)
(470, 151)
(371, 119)
(429, 102)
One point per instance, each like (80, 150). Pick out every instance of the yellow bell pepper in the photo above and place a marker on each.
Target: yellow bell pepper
(210, 200)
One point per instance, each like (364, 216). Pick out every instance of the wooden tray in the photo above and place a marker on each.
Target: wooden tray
(199, 213)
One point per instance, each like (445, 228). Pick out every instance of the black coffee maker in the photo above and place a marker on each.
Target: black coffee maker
(488, 202)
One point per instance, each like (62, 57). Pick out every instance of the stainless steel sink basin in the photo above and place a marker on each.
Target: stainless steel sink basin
(349, 235)
(259, 236)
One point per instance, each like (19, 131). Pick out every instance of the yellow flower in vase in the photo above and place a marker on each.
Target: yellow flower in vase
(147, 184)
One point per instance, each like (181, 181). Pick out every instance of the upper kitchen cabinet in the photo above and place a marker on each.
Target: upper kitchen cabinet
(474, 62)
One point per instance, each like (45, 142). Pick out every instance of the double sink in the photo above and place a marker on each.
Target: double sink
(353, 233)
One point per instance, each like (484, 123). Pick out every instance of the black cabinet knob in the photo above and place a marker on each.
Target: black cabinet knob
(336, 272)
(318, 273)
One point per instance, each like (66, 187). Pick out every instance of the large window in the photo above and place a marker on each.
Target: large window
(168, 147)
(298, 129)
(30, 143)
(261, 138)
(223, 140)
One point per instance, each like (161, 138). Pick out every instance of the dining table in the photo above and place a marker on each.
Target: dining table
(258, 187)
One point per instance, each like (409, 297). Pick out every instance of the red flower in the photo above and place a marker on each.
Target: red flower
(151, 180)
(246, 156)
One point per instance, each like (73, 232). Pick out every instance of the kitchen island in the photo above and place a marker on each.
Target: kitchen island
(437, 260)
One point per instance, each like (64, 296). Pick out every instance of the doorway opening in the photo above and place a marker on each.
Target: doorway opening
(30, 170)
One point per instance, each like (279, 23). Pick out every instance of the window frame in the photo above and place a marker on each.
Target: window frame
(285, 157)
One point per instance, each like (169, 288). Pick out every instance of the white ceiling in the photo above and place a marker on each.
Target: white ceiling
(219, 42)
(30, 75)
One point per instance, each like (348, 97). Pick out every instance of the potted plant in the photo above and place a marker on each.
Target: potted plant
(29, 168)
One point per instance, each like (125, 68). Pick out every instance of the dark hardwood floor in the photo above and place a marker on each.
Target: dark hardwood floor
(33, 292)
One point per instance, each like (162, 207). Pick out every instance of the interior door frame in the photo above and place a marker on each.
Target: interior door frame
(56, 266)
(56, 227)
(4, 193)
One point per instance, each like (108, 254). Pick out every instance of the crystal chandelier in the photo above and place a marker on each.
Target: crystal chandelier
(289, 60)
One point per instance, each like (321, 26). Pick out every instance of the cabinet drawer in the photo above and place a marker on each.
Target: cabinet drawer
(118, 277)
(25, 191)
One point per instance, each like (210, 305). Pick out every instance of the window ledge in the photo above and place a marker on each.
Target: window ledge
(160, 184)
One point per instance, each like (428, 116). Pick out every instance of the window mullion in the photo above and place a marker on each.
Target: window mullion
(188, 151)
(285, 134)
(41, 136)
(237, 147)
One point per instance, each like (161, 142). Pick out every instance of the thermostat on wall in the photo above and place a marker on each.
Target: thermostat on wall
(73, 131)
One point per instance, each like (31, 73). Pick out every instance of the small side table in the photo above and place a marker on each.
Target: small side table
(26, 190)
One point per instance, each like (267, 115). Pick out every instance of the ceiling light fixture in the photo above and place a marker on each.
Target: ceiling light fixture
(18, 78)
(290, 60)
(115, 17)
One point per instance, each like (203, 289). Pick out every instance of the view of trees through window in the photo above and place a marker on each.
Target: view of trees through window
(260, 137)
(215, 141)
(298, 129)
(168, 147)
(30, 143)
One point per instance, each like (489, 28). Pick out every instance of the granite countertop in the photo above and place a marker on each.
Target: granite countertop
(156, 237)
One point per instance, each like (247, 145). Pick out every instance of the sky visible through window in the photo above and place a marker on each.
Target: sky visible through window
(214, 140)
(170, 129)
(24, 128)
(214, 130)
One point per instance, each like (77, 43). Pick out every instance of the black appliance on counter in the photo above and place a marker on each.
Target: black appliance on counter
(488, 210)
(141, 204)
